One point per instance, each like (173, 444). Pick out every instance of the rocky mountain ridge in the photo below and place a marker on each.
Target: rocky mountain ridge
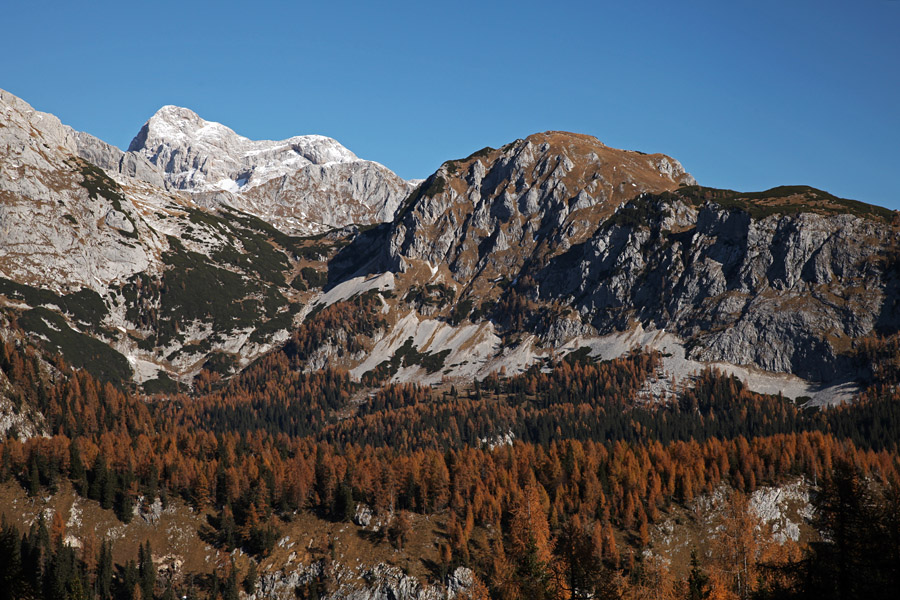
(510, 257)
(579, 245)
(303, 185)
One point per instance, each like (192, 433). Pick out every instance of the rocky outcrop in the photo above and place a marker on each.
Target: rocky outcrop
(378, 582)
(787, 292)
(488, 215)
(113, 160)
(63, 224)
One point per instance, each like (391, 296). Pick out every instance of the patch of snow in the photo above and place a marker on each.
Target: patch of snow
(227, 185)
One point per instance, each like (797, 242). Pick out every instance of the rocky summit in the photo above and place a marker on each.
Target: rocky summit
(185, 253)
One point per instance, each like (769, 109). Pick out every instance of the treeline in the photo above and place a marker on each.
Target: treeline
(250, 477)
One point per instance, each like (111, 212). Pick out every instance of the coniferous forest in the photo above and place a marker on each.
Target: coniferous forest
(549, 481)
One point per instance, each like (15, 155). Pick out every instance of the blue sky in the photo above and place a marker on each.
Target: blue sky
(747, 95)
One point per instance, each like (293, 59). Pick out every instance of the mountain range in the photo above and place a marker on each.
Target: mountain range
(198, 249)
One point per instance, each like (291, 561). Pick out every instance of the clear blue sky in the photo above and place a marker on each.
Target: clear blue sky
(748, 95)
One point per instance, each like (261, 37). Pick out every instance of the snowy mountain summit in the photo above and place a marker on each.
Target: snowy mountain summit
(303, 184)
(199, 155)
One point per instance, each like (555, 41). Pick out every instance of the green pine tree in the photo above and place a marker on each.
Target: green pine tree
(698, 580)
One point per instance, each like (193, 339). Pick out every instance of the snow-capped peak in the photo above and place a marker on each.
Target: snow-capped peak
(199, 155)
(305, 177)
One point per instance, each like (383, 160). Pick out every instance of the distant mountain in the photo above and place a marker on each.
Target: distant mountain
(304, 184)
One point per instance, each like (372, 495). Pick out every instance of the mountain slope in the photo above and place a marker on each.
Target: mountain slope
(117, 271)
(557, 242)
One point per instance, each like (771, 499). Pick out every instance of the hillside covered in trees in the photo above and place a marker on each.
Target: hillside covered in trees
(547, 484)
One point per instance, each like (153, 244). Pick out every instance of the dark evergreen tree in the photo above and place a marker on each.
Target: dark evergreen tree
(146, 571)
(344, 505)
(124, 505)
(251, 578)
(128, 582)
(532, 574)
(104, 573)
(231, 591)
(77, 472)
(10, 562)
(582, 574)
(698, 580)
(34, 478)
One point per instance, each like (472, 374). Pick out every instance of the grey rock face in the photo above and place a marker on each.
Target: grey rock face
(786, 293)
(491, 214)
(194, 153)
(111, 159)
(363, 515)
(53, 230)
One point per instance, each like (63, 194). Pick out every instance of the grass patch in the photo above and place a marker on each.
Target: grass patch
(99, 184)
(79, 350)
(785, 199)
(84, 306)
